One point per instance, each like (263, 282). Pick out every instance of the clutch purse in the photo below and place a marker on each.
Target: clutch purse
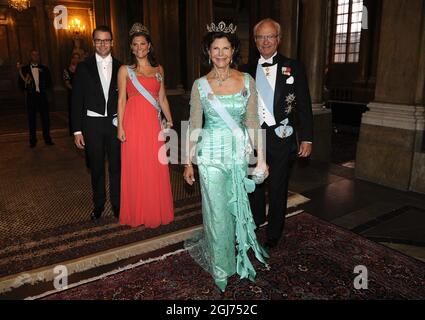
(258, 177)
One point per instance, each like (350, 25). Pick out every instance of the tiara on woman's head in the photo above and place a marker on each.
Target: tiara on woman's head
(138, 28)
(221, 27)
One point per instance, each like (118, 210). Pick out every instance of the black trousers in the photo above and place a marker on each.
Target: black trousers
(38, 102)
(100, 137)
(280, 155)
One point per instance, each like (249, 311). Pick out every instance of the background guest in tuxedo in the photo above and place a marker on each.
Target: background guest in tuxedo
(68, 77)
(283, 98)
(35, 79)
(94, 109)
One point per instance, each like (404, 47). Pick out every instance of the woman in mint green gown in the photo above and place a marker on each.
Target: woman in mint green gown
(222, 154)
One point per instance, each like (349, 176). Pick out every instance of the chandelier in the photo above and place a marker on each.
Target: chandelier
(19, 4)
(76, 27)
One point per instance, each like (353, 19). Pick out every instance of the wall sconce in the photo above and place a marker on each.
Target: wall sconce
(76, 27)
(19, 4)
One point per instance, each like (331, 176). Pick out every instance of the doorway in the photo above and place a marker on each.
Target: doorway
(18, 37)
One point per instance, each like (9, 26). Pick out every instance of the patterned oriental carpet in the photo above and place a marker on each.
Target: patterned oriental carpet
(315, 260)
(73, 241)
(53, 246)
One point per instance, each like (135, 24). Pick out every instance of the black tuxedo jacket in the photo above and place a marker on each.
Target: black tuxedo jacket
(301, 116)
(44, 78)
(87, 92)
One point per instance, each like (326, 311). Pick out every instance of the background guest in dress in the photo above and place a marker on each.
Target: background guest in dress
(222, 158)
(68, 77)
(146, 197)
(35, 79)
(94, 108)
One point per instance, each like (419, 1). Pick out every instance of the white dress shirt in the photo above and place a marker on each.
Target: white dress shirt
(104, 67)
(36, 75)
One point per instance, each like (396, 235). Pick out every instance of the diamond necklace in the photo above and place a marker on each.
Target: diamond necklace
(218, 78)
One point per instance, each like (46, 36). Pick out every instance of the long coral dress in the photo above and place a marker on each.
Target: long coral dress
(146, 197)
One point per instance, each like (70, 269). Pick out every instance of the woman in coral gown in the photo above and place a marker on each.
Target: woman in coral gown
(146, 197)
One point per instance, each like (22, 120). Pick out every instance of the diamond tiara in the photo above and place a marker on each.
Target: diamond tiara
(138, 28)
(221, 27)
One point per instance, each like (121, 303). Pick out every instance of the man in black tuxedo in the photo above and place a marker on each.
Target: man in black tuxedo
(94, 109)
(35, 79)
(284, 99)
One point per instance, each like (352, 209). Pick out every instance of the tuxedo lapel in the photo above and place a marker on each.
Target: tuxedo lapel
(113, 85)
(279, 88)
(42, 75)
(92, 64)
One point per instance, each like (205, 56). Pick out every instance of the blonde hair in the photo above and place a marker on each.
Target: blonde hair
(268, 20)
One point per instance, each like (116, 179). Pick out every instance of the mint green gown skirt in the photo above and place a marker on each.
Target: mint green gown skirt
(228, 234)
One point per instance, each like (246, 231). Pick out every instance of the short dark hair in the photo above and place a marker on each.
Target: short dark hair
(231, 37)
(102, 28)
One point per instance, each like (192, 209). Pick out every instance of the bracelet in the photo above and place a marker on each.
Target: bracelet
(187, 165)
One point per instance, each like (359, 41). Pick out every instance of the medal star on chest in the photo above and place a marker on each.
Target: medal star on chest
(290, 101)
(288, 109)
(290, 98)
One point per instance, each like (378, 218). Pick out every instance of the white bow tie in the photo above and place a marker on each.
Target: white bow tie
(262, 60)
(104, 61)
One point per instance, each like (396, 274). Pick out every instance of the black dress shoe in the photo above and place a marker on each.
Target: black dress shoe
(33, 144)
(116, 211)
(50, 143)
(96, 214)
(271, 243)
